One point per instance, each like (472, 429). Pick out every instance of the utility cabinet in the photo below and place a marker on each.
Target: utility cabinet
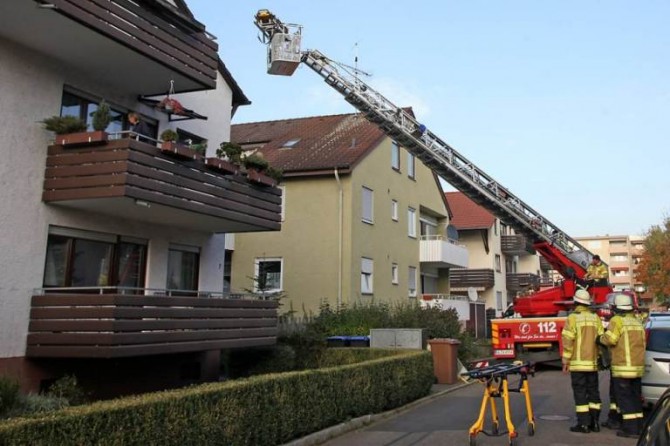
(411, 338)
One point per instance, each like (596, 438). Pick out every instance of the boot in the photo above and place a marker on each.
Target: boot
(581, 428)
(595, 421)
(630, 429)
(613, 421)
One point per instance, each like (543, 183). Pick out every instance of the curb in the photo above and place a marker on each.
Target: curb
(356, 423)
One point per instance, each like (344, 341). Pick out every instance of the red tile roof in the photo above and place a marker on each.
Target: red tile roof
(467, 214)
(324, 142)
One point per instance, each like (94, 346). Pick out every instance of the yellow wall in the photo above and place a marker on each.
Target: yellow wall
(309, 239)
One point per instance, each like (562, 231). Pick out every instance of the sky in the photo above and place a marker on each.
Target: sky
(565, 103)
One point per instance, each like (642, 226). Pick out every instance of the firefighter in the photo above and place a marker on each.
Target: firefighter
(626, 338)
(580, 355)
(596, 272)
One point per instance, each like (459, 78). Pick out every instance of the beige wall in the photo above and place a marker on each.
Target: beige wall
(619, 251)
(309, 242)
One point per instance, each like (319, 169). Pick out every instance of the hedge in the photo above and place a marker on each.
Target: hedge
(261, 410)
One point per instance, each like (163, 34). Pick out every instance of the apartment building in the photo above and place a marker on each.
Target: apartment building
(111, 244)
(362, 219)
(622, 253)
(501, 264)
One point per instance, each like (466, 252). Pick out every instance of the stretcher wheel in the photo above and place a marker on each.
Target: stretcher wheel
(473, 440)
(531, 429)
(495, 429)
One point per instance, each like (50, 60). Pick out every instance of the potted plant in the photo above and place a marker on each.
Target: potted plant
(71, 130)
(170, 145)
(102, 116)
(227, 159)
(256, 167)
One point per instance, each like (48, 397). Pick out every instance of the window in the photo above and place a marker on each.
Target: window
(427, 226)
(78, 258)
(394, 210)
(394, 273)
(73, 104)
(227, 270)
(395, 156)
(367, 205)
(499, 302)
(183, 268)
(290, 143)
(411, 280)
(411, 222)
(367, 270)
(268, 275)
(619, 258)
(497, 263)
(188, 138)
(411, 169)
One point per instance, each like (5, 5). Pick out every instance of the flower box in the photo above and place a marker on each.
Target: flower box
(260, 178)
(222, 165)
(179, 150)
(82, 138)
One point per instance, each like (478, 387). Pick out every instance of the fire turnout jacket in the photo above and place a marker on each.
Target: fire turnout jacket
(598, 271)
(580, 332)
(626, 338)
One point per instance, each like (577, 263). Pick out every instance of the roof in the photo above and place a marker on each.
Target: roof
(467, 214)
(318, 144)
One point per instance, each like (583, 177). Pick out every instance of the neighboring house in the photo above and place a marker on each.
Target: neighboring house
(362, 218)
(502, 264)
(109, 249)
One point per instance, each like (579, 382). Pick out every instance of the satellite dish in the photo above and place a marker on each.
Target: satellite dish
(472, 294)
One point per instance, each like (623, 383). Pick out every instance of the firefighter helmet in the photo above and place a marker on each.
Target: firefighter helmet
(623, 302)
(583, 297)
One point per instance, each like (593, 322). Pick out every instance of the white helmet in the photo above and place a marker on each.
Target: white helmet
(623, 302)
(582, 297)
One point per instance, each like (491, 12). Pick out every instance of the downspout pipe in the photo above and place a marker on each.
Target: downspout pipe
(340, 236)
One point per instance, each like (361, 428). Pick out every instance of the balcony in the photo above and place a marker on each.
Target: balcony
(69, 325)
(516, 245)
(135, 179)
(436, 251)
(103, 39)
(480, 279)
(522, 281)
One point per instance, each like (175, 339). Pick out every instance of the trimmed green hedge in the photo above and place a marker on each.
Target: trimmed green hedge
(262, 410)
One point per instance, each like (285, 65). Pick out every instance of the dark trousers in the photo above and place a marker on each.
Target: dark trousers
(628, 394)
(586, 394)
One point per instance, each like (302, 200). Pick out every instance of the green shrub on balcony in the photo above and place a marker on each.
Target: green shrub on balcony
(262, 410)
(102, 116)
(62, 125)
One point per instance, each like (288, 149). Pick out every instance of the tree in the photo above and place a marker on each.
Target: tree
(654, 267)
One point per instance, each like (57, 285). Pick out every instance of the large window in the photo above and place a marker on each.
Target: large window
(395, 156)
(367, 275)
(81, 107)
(367, 205)
(86, 259)
(411, 280)
(183, 268)
(411, 222)
(268, 275)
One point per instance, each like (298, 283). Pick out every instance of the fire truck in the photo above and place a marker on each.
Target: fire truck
(536, 328)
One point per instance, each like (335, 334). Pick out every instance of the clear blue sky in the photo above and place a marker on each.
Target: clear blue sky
(566, 103)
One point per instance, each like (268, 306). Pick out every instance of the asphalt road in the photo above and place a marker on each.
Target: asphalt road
(445, 420)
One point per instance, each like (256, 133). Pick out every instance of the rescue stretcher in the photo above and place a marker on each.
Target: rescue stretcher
(495, 380)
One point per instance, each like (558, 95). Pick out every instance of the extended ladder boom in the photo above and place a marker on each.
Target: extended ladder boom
(559, 249)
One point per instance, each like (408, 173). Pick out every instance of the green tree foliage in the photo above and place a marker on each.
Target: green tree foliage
(654, 267)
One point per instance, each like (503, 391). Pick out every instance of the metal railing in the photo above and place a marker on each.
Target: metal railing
(143, 292)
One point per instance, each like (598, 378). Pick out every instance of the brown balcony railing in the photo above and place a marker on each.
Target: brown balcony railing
(516, 245)
(125, 177)
(476, 278)
(72, 325)
(522, 281)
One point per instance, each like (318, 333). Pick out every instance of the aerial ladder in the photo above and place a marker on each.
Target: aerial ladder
(565, 255)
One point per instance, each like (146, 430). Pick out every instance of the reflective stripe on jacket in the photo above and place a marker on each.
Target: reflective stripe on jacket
(626, 338)
(580, 332)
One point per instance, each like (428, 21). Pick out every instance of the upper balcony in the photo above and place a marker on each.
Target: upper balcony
(141, 182)
(437, 251)
(480, 279)
(522, 281)
(136, 46)
(73, 325)
(516, 245)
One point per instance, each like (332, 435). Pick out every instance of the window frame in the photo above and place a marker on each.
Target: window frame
(411, 281)
(411, 222)
(394, 210)
(367, 275)
(367, 217)
(411, 165)
(394, 273)
(257, 272)
(395, 156)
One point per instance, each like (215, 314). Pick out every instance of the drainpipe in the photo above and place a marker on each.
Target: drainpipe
(339, 242)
